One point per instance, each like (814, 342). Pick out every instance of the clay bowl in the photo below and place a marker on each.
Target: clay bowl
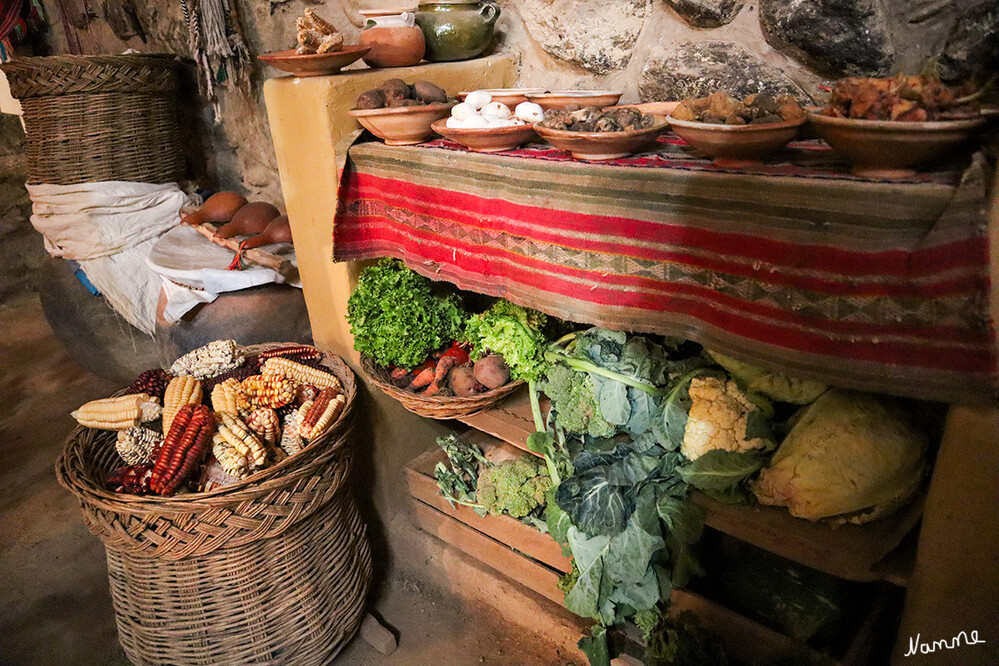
(602, 145)
(488, 139)
(317, 64)
(402, 125)
(509, 96)
(891, 149)
(562, 98)
(736, 146)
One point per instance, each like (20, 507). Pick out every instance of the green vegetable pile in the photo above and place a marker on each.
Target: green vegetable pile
(395, 317)
(513, 332)
(515, 487)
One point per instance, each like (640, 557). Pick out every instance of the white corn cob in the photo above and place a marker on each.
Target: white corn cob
(319, 424)
(236, 433)
(135, 445)
(214, 358)
(291, 441)
(265, 424)
(301, 373)
(233, 461)
(125, 411)
(228, 397)
(182, 390)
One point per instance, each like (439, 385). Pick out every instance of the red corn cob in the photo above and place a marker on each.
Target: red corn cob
(183, 448)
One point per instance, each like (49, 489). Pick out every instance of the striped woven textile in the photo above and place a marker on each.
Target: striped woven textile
(795, 265)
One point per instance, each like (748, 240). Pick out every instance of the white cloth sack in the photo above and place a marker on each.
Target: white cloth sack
(109, 228)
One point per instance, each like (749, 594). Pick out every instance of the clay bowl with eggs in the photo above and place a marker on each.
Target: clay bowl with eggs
(562, 98)
(402, 125)
(315, 64)
(736, 146)
(892, 149)
(486, 139)
(509, 96)
(602, 145)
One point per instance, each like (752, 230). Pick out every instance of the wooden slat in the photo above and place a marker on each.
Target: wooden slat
(850, 551)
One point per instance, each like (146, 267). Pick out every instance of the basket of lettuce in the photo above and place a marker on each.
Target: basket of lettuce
(424, 349)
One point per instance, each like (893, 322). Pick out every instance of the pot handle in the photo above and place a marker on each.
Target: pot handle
(489, 12)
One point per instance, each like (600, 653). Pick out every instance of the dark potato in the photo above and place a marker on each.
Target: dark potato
(395, 88)
(371, 99)
(428, 93)
(491, 371)
(394, 102)
(462, 382)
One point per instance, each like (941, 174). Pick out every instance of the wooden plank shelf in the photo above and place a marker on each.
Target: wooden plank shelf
(854, 552)
(534, 560)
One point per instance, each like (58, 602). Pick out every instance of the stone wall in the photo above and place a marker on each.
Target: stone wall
(650, 49)
(21, 250)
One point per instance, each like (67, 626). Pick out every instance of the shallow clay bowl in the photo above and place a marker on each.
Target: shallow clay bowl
(736, 145)
(316, 64)
(402, 125)
(602, 145)
(891, 149)
(562, 98)
(509, 96)
(486, 139)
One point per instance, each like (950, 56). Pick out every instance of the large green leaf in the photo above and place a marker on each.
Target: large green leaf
(595, 505)
(639, 596)
(721, 473)
(595, 646)
(629, 553)
(584, 597)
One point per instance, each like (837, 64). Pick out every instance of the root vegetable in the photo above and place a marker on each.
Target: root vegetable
(440, 374)
(463, 383)
(491, 371)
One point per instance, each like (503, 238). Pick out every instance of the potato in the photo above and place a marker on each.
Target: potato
(394, 102)
(491, 371)
(428, 93)
(395, 89)
(371, 99)
(462, 382)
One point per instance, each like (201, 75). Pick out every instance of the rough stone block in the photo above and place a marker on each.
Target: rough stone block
(707, 13)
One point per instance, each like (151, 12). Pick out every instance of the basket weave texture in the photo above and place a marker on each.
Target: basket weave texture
(437, 407)
(96, 118)
(274, 569)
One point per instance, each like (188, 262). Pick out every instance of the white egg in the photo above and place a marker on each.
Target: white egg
(478, 99)
(454, 122)
(530, 112)
(496, 110)
(499, 122)
(463, 111)
(476, 122)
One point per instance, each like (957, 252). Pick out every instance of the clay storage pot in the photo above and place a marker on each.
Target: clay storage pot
(394, 38)
(457, 29)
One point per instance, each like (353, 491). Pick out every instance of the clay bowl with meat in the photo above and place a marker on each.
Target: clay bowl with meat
(602, 145)
(891, 148)
(402, 125)
(736, 146)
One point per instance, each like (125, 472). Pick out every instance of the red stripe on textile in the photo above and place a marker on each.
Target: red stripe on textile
(379, 237)
(497, 215)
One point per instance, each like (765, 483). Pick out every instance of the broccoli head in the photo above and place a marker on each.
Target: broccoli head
(575, 402)
(515, 487)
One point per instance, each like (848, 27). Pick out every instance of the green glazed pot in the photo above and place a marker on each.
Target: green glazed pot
(456, 29)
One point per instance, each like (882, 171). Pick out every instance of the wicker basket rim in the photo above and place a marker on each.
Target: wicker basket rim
(267, 479)
(374, 373)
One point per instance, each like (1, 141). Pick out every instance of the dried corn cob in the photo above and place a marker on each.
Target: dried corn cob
(132, 479)
(291, 441)
(213, 476)
(268, 390)
(302, 374)
(295, 352)
(136, 445)
(182, 390)
(234, 431)
(153, 382)
(317, 22)
(265, 424)
(118, 413)
(183, 448)
(233, 461)
(331, 43)
(249, 368)
(321, 412)
(215, 357)
(228, 397)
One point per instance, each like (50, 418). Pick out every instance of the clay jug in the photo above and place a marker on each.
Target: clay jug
(394, 38)
(457, 29)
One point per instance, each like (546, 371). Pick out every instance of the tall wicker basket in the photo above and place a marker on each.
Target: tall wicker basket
(95, 118)
(273, 570)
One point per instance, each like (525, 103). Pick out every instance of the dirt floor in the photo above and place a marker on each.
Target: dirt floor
(56, 607)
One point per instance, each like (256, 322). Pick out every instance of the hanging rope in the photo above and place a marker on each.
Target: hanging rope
(217, 47)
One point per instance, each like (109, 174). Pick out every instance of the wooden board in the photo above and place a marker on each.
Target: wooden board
(851, 551)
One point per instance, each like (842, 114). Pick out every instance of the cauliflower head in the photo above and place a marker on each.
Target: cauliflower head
(575, 400)
(515, 487)
(718, 419)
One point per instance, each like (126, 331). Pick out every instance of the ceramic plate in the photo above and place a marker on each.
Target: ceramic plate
(317, 64)
(488, 139)
(602, 145)
(736, 145)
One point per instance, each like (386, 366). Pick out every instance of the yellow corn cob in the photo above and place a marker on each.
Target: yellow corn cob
(302, 374)
(265, 424)
(330, 43)
(268, 390)
(125, 411)
(329, 415)
(228, 397)
(135, 445)
(291, 441)
(237, 434)
(214, 358)
(182, 390)
(233, 461)
(319, 23)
